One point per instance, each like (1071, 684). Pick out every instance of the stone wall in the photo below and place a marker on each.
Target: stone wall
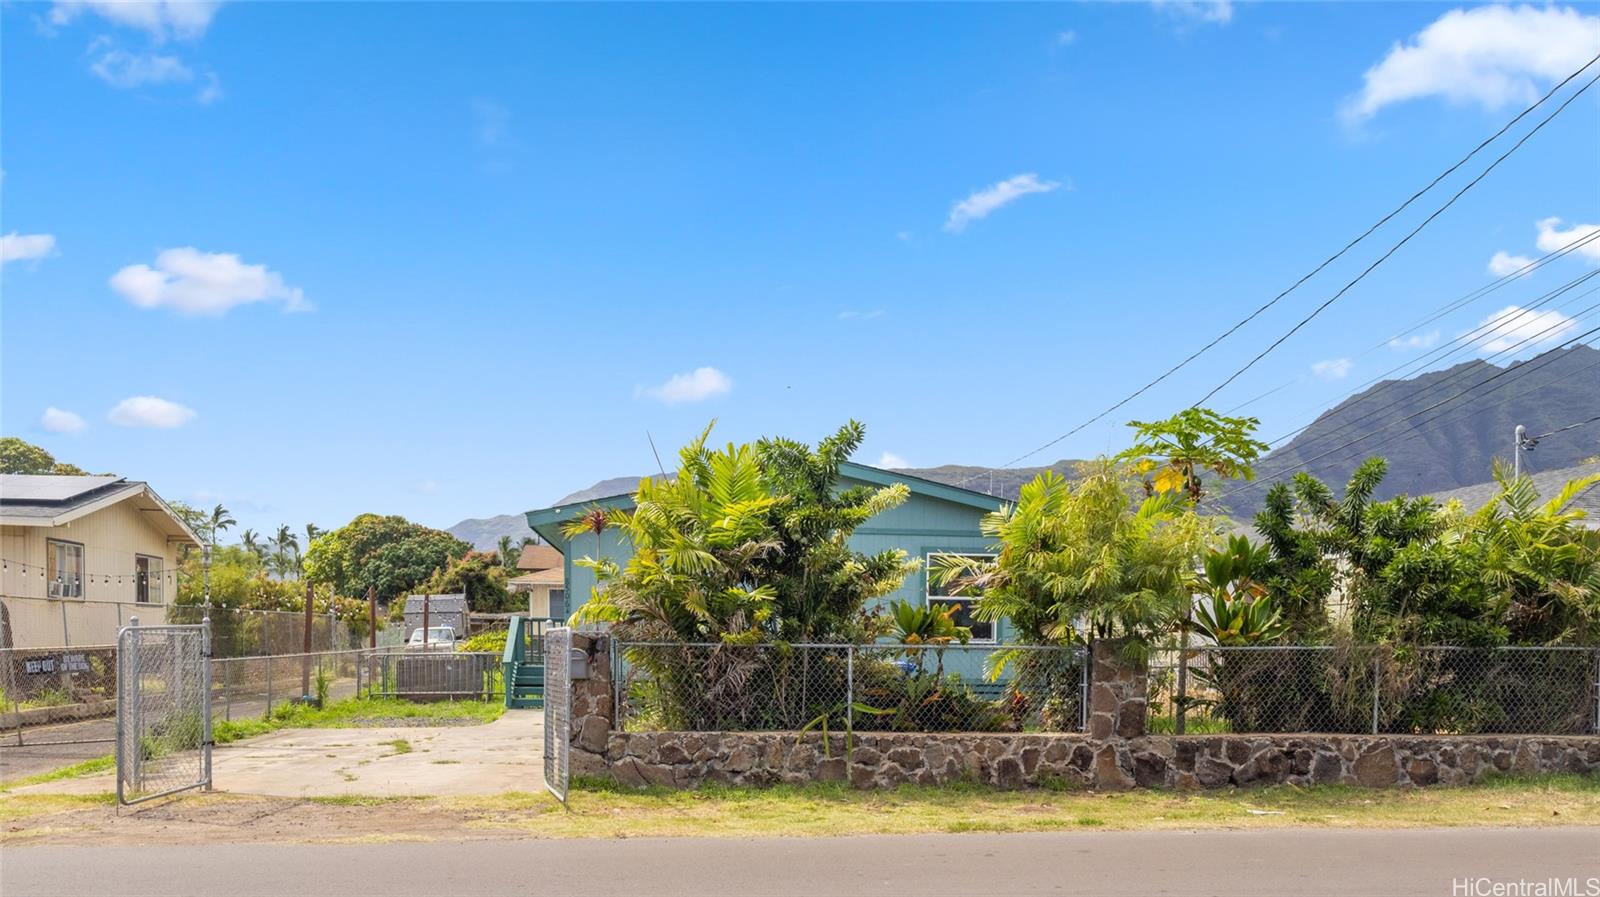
(1114, 755)
(687, 759)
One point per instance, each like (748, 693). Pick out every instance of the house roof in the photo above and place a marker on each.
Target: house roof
(538, 557)
(546, 521)
(1547, 483)
(437, 604)
(554, 576)
(44, 500)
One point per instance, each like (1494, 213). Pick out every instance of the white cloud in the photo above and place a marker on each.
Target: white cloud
(1490, 55)
(493, 121)
(428, 487)
(1332, 368)
(204, 283)
(1552, 239)
(1504, 263)
(892, 461)
(1513, 324)
(697, 385)
(853, 315)
(1415, 341)
(149, 411)
(124, 70)
(15, 247)
(982, 202)
(183, 19)
(1205, 12)
(57, 421)
(1067, 38)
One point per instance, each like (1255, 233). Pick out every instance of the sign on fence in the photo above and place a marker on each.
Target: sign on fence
(557, 710)
(163, 711)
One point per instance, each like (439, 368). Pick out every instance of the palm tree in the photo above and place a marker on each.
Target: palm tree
(508, 553)
(285, 552)
(250, 541)
(312, 532)
(218, 520)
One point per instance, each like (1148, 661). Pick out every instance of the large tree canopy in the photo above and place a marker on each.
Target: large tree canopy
(388, 554)
(17, 456)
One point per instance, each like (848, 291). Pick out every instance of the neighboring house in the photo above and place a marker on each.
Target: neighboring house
(543, 579)
(82, 555)
(935, 519)
(441, 610)
(1548, 484)
(538, 557)
(547, 592)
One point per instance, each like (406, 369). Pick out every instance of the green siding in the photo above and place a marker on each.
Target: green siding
(924, 523)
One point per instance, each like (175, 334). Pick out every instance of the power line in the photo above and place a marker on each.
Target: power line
(1508, 350)
(1325, 263)
(1479, 332)
(1396, 247)
(1454, 305)
(1521, 371)
(1581, 423)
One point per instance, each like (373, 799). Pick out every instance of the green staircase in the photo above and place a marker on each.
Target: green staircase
(523, 662)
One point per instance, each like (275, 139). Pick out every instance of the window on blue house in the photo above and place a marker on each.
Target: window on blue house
(965, 596)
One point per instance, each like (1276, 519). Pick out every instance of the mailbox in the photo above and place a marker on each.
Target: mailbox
(578, 664)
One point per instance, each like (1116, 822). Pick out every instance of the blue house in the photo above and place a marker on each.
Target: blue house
(935, 519)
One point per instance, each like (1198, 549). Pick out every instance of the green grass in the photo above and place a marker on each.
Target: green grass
(400, 746)
(356, 713)
(86, 768)
(600, 810)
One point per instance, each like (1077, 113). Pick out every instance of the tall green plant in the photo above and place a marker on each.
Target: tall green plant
(821, 586)
(1085, 553)
(697, 541)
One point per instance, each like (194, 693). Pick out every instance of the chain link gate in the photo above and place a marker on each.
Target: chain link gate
(557, 711)
(163, 711)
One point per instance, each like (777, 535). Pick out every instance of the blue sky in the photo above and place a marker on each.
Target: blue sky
(446, 260)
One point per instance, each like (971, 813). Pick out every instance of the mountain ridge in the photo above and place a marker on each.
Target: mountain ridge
(1446, 448)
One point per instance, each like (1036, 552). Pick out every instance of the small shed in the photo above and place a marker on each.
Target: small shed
(443, 610)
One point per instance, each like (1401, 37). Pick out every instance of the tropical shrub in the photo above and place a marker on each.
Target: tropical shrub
(1084, 553)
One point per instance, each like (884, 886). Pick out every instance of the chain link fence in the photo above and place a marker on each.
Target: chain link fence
(557, 643)
(45, 687)
(1406, 691)
(902, 688)
(261, 633)
(163, 714)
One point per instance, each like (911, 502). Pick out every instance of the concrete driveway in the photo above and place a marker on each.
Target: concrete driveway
(410, 761)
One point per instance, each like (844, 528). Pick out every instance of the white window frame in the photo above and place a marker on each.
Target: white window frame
(155, 568)
(67, 589)
(930, 599)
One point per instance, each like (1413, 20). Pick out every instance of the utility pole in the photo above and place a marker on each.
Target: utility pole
(1516, 452)
(205, 570)
(305, 658)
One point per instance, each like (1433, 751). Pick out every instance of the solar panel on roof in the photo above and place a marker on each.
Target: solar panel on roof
(15, 487)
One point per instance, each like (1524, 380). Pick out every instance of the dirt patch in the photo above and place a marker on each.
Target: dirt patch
(213, 818)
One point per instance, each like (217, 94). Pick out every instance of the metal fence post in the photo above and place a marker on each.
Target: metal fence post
(205, 708)
(1376, 687)
(1083, 689)
(135, 685)
(850, 688)
(268, 714)
(1597, 691)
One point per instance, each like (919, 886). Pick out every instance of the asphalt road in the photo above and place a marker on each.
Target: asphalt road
(1345, 863)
